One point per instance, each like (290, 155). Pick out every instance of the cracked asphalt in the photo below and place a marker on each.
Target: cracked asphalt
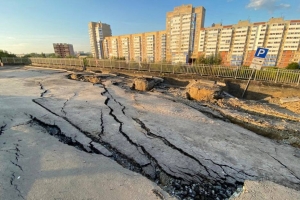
(114, 143)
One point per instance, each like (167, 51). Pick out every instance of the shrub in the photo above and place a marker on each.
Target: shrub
(293, 65)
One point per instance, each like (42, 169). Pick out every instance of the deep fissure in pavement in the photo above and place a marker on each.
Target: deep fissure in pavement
(176, 186)
(2, 129)
(13, 175)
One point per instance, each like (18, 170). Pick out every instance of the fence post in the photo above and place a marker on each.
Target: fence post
(236, 71)
(14, 60)
(173, 69)
(200, 68)
(277, 76)
(298, 79)
(161, 67)
(119, 65)
(219, 70)
(255, 74)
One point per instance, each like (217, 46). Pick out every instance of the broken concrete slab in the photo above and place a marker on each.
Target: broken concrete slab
(143, 84)
(101, 149)
(87, 78)
(203, 91)
(265, 190)
(290, 99)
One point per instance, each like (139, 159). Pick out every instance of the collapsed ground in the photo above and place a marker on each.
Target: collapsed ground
(193, 150)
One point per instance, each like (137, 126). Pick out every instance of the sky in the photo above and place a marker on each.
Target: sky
(28, 26)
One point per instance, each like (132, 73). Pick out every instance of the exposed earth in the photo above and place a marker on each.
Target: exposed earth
(93, 136)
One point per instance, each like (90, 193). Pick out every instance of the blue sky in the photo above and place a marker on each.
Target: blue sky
(34, 25)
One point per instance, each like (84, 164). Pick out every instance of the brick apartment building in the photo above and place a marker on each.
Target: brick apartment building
(63, 50)
(185, 37)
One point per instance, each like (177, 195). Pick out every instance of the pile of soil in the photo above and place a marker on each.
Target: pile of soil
(203, 91)
(143, 84)
(85, 78)
(146, 83)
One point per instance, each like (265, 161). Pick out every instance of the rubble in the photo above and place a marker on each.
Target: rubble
(288, 100)
(86, 78)
(146, 83)
(264, 190)
(203, 90)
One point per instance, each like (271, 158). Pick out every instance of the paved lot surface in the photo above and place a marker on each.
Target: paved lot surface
(189, 154)
(36, 165)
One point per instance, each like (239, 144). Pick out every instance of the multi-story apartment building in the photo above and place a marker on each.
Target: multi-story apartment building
(98, 31)
(63, 50)
(176, 44)
(185, 37)
(237, 43)
(149, 46)
(183, 25)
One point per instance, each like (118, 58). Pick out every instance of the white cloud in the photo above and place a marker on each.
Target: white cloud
(270, 5)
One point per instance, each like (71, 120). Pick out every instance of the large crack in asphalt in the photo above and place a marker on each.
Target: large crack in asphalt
(42, 88)
(291, 171)
(184, 190)
(65, 103)
(15, 163)
(168, 143)
(2, 129)
(13, 175)
(12, 183)
(175, 186)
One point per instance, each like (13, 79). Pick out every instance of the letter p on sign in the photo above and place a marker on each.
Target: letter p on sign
(261, 52)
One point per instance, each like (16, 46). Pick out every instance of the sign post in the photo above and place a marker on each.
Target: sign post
(256, 64)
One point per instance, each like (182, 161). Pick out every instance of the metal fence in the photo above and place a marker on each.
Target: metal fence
(15, 60)
(266, 74)
(58, 61)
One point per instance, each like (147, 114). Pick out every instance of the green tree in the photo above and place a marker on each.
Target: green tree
(51, 55)
(34, 55)
(209, 60)
(200, 60)
(4, 53)
(293, 65)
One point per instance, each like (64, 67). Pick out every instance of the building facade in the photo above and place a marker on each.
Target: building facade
(236, 44)
(183, 25)
(185, 37)
(63, 50)
(146, 47)
(175, 44)
(97, 32)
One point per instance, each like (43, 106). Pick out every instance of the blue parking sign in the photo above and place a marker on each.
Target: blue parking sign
(261, 52)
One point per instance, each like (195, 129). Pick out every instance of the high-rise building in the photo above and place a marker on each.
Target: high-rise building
(176, 44)
(63, 50)
(185, 37)
(98, 31)
(182, 26)
(237, 43)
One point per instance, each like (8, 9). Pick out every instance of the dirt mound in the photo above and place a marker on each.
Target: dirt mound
(85, 78)
(203, 90)
(292, 106)
(146, 83)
